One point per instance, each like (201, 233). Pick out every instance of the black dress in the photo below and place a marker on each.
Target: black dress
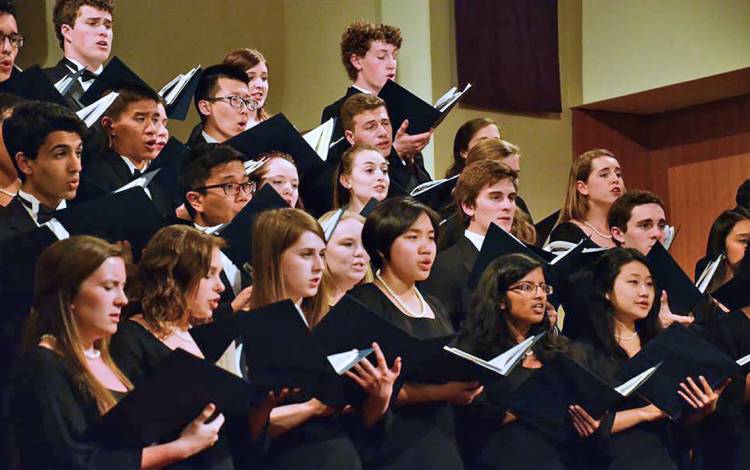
(646, 446)
(136, 351)
(724, 438)
(567, 232)
(50, 413)
(418, 436)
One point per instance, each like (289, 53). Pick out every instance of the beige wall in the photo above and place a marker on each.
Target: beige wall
(545, 140)
(636, 45)
(300, 39)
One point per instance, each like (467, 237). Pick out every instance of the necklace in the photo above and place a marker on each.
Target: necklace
(92, 353)
(183, 335)
(401, 303)
(626, 338)
(7, 193)
(606, 237)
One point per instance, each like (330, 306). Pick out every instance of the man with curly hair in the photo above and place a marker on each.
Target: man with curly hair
(369, 53)
(84, 31)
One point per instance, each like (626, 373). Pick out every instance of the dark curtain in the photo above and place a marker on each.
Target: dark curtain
(507, 50)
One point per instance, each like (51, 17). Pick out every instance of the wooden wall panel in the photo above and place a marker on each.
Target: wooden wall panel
(699, 192)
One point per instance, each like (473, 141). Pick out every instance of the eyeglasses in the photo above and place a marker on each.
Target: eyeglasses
(529, 288)
(232, 189)
(236, 102)
(15, 39)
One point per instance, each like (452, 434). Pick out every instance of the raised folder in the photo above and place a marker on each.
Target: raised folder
(281, 352)
(33, 84)
(683, 295)
(114, 75)
(168, 399)
(436, 194)
(543, 400)
(683, 353)
(403, 104)
(178, 93)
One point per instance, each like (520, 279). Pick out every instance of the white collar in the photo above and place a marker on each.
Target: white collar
(362, 90)
(35, 203)
(131, 165)
(209, 139)
(81, 66)
(213, 230)
(475, 239)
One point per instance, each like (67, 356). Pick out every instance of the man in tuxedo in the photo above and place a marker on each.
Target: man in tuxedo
(369, 53)
(45, 141)
(216, 189)
(222, 99)
(84, 31)
(365, 121)
(12, 41)
(485, 194)
(132, 123)
(637, 220)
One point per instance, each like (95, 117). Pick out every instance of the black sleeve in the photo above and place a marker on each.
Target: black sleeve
(133, 350)
(50, 416)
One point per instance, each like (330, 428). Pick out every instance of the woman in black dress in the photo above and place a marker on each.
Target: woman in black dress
(625, 317)
(288, 263)
(508, 306)
(399, 236)
(66, 379)
(178, 285)
(594, 183)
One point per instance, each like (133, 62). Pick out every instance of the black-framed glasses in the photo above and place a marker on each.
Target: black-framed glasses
(236, 102)
(529, 288)
(232, 189)
(15, 39)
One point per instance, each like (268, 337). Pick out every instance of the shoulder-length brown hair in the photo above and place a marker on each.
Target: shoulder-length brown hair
(246, 59)
(60, 271)
(172, 264)
(274, 232)
(576, 205)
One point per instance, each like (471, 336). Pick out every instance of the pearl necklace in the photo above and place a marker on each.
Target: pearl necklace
(606, 237)
(626, 338)
(92, 353)
(407, 310)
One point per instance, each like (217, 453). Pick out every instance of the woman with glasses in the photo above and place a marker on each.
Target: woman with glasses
(507, 307)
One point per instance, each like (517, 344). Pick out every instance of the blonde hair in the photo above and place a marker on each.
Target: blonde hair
(274, 232)
(327, 276)
(576, 205)
(173, 262)
(61, 270)
(246, 59)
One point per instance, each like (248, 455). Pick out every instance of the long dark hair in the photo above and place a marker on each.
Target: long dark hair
(717, 239)
(486, 332)
(461, 142)
(606, 270)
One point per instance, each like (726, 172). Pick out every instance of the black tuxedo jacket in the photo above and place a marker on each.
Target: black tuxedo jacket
(405, 178)
(15, 219)
(196, 136)
(56, 73)
(108, 172)
(333, 110)
(450, 276)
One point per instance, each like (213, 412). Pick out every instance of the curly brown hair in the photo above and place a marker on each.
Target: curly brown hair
(357, 38)
(67, 11)
(173, 262)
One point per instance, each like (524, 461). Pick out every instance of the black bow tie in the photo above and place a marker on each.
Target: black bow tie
(84, 74)
(45, 214)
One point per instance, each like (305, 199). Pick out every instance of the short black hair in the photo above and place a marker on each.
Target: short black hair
(199, 162)
(388, 221)
(622, 209)
(743, 194)
(8, 101)
(7, 7)
(131, 92)
(207, 83)
(26, 130)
